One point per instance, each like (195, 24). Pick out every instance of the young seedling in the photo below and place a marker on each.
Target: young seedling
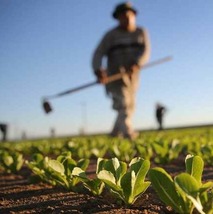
(129, 184)
(11, 161)
(166, 151)
(95, 186)
(69, 164)
(186, 191)
(122, 149)
(48, 170)
(59, 171)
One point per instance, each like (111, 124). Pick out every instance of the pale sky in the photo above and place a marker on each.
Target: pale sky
(46, 47)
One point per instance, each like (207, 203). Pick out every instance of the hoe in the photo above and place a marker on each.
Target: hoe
(48, 108)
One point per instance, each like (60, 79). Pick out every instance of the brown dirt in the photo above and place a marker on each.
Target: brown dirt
(18, 195)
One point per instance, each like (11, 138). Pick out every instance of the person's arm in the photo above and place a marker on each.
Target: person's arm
(144, 56)
(99, 54)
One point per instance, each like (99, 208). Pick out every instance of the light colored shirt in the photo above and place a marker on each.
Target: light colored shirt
(122, 49)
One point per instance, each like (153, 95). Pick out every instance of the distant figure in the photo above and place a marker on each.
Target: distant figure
(160, 111)
(23, 135)
(81, 131)
(3, 128)
(52, 132)
(125, 47)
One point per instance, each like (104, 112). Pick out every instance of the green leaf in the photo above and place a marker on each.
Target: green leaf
(112, 166)
(64, 156)
(132, 182)
(165, 188)
(69, 165)
(138, 190)
(83, 163)
(108, 178)
(194, 166)
(8, 160)
(121, 170)
(206, 186)
(116, 167)
(19, 162)
(116, 163)
(126, 185)
(100, 164)
(135, 164)
(57, 166)
(188, 184)
(37, 157)
(95, 186)
(79, 172)
(140, 168)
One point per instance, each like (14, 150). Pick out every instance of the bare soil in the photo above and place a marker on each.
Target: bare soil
(18, 195)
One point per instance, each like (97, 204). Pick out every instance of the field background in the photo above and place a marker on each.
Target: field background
(18, 194)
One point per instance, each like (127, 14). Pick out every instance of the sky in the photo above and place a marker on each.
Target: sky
(46, 47)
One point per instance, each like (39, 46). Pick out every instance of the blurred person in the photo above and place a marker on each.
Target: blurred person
(52, 132)
(23, 135)
(126, 47)
(3, 128)
(159, 113)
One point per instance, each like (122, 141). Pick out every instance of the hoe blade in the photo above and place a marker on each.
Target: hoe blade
(47, 107)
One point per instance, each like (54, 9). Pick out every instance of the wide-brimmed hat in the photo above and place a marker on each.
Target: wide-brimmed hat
(123, 7)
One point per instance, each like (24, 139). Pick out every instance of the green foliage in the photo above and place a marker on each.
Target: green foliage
(162, 147)
(206, 151)
(144, 148)
(11, 161)
(122, 149)
(59, 171)
(186, 191)
(48, 170)
(69, 164)
(166, 151)
(129, 184)
(95, 186)
(86, 147)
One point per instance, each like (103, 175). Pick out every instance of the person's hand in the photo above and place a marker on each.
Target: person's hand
(134, 68)
(101, 76)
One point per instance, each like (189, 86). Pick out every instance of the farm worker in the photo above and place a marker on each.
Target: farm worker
(159, 113)
(126, 47)
(3, 128)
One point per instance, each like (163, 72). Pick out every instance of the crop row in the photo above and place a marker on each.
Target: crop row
(161, 148)
(184, 193)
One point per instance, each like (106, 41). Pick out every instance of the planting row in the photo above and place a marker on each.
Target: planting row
(160, 148)
(127, 182)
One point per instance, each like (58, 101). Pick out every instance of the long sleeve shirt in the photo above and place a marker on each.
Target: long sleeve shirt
(122, 49)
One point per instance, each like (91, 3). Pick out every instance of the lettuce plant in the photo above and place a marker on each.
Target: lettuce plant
(79, 148)
(207, 153)
(59, 171)
(127, 184)
(166, 151)
(186, 191)
(11, 161)
(123, 149)
(48, 170)
(69, 164)
(95, 186)
(144, 149)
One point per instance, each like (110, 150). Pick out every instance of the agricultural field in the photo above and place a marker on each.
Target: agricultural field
(168, 171)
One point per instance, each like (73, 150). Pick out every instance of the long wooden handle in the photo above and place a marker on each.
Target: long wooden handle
(118, 76)
(110, 78)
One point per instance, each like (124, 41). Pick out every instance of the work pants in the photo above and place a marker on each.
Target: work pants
(123, 96)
